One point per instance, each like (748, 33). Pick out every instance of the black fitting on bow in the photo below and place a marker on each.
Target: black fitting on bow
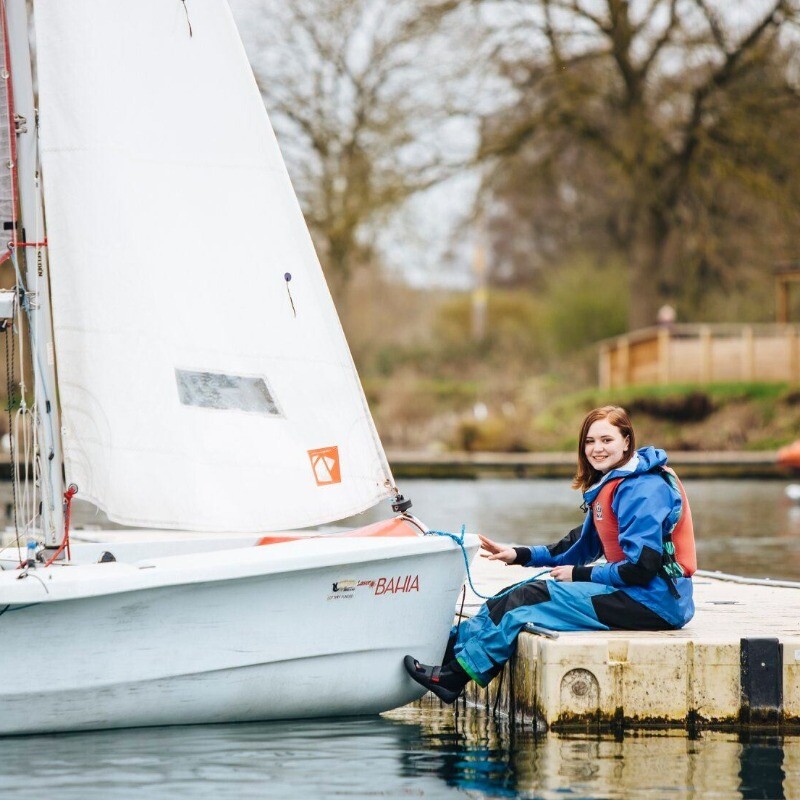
(400, 504)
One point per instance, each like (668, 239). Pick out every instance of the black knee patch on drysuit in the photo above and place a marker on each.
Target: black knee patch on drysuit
(619, 610)
(529, 594)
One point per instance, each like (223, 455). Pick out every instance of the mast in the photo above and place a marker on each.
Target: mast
(36, 276)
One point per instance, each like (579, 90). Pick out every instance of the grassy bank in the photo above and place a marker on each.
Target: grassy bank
(532, 416)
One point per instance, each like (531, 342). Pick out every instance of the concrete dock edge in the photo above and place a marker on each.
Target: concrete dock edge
(736, 665)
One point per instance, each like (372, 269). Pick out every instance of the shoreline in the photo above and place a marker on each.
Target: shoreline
(690, 464)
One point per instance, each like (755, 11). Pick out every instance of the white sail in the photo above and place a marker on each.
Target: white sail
(200, 388)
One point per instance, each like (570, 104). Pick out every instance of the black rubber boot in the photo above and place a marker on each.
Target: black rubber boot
(446, 682)
(450, 650)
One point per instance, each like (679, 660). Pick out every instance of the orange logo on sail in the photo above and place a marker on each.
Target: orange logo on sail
(325, 463)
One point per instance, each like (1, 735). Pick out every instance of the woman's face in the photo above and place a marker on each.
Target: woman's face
(605, 446)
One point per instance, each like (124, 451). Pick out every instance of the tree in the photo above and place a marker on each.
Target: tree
(359, 111)
(658, 129)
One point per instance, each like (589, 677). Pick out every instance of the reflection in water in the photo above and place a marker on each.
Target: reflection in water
(762, 773)
(466, 751)
(320, 758)
(414, 752)
(471, 752)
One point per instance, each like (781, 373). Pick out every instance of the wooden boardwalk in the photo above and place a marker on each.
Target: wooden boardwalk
(736, 663)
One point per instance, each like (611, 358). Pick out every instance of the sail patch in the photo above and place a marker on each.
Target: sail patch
(325, 464)
(226, 392)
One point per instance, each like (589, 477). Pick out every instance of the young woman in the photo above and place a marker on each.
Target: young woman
(638, 518)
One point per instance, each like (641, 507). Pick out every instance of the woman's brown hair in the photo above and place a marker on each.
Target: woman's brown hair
(587, 475)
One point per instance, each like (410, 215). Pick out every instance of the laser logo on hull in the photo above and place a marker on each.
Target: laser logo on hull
(346, 588)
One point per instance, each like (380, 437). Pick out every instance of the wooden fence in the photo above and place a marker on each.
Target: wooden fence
(701, 354)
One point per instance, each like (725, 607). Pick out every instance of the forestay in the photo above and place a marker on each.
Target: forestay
(204, 378)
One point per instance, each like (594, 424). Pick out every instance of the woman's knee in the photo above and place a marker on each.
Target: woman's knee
(528, 594)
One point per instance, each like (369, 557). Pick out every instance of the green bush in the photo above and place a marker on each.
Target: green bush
(513, 330)
(584, 301)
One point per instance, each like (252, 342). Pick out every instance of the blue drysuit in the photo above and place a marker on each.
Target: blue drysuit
(628, 594)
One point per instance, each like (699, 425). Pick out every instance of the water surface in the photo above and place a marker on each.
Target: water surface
(746, 527)
(413, 752)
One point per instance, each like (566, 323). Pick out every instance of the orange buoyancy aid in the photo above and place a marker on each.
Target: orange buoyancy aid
(678, 544)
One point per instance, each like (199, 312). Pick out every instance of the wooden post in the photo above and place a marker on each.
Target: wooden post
(793, 372)
(604, 367)
(782, 300)
(480, 291)
(706, 367)
(748, 354)
(663, 356)
(625, 360)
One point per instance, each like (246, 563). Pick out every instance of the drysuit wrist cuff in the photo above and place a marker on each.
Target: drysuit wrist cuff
(523, 556)
(582, 574)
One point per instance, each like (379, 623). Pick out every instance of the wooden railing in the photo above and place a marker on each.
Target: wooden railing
(701, 354)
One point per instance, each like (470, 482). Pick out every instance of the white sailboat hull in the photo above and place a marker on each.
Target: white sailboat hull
(302, 629)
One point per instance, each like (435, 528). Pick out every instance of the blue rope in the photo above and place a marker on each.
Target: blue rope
(459, 540)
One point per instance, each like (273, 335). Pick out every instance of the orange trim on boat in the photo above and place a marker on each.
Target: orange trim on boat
(789, 456)
(397, 526)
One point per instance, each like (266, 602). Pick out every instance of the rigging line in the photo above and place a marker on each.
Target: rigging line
(21, 414)
(499, 693)
(10, 391)
(26, 422)
(34, 411)
(33, 331)
(460, 610)
(20, 349)
(459, 540)
(18, 273)
(188, 21)
(45, 468)
(22, 433)
(287, 277)
(28, 573)
(68, 495)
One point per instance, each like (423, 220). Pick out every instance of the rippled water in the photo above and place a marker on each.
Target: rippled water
(409, 753)
(746, 527)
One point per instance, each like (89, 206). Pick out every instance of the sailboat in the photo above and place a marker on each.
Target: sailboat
(192, 381)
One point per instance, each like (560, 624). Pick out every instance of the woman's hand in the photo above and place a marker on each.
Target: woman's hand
(497, 552)
(562, 574)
